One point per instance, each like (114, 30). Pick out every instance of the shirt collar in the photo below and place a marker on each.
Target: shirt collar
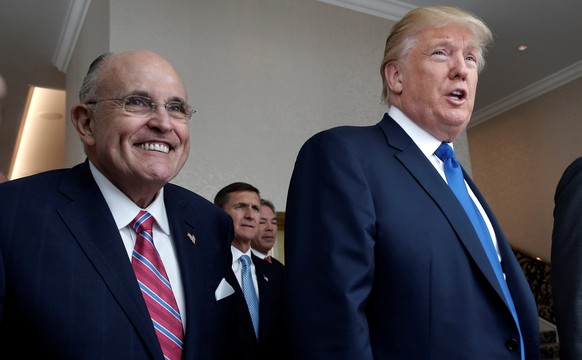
(236, 254)
(422, 138)
(123, 209)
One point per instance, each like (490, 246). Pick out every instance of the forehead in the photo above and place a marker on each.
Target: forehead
(141, 73)
(266, 211)
(244, 197)
(448, 34)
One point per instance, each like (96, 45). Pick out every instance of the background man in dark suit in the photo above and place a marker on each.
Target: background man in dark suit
(567, 261)
(381, 259)
(242, 202)
(67, 286)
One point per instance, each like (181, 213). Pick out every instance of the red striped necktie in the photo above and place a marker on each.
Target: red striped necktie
(156, 289)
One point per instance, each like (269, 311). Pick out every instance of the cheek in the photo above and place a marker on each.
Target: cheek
(183, 132)
(473, 86)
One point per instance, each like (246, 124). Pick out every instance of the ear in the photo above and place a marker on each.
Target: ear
(393, 77)
(83, 123)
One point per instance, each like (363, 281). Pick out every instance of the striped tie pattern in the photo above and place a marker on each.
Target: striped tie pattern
(249, 292)
(156, 289)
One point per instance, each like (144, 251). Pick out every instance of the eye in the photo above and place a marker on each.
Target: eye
(471, 58)
(137, 102)
(176, 106)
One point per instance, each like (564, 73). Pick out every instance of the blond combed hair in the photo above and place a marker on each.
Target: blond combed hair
(403, 35)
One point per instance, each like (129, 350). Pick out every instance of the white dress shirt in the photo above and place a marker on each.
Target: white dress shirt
(124, 211)
(428, 145)
(237, 267)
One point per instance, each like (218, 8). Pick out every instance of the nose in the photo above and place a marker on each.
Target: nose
(160, 119)
(458, 68)
(250, 213)
(270, 227)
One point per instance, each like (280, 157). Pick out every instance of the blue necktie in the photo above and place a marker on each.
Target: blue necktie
(249, 292)
(456, 181)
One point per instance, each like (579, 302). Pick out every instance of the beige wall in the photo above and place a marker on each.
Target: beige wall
(93, 40)
(263, 76)
(518, 158)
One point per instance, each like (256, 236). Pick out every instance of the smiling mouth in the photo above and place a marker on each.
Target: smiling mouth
(154, 147)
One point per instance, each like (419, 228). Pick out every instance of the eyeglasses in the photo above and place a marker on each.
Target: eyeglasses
(143, 106)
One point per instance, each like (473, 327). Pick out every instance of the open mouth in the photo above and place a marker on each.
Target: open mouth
(457, 94)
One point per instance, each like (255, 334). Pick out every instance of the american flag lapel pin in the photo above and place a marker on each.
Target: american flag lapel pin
(191, 237)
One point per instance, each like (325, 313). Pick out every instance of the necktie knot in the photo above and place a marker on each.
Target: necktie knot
(268, 259)
(245, 260)
(144, 221)
(446, 153)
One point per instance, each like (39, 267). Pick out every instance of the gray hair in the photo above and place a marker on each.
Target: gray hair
(91, 81)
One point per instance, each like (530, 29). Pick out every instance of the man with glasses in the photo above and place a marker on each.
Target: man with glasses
(85, 276)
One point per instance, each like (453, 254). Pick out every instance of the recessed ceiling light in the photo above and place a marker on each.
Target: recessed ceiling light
(522, 47)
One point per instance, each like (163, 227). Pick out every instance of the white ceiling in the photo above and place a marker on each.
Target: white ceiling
(551, 29)
(36, 36)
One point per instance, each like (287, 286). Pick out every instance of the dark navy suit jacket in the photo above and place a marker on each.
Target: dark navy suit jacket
(67, 288)
(567, 261)
(382, 262)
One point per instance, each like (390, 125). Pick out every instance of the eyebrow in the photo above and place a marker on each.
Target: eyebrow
(148, 95)
(469, 46)
(246, 204)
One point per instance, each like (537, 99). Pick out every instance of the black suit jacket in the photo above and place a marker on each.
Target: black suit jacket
(67, 288)
(269, 343)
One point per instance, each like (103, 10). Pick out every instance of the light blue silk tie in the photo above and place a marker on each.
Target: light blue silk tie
(249, 292)
(456, 181)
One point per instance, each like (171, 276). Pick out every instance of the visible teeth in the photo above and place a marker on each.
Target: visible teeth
(155, 147)
(457, 93)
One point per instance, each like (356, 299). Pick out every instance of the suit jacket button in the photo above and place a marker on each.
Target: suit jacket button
(512, 344)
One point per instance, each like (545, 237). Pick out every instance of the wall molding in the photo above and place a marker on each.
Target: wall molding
(395, 10)
(388, 9)
(70, 33)
(528, 93)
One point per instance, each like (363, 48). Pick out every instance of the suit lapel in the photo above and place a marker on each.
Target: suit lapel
(199, 274)
(423, 171)
(263, 275)
(186, 235)
(92, 225)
